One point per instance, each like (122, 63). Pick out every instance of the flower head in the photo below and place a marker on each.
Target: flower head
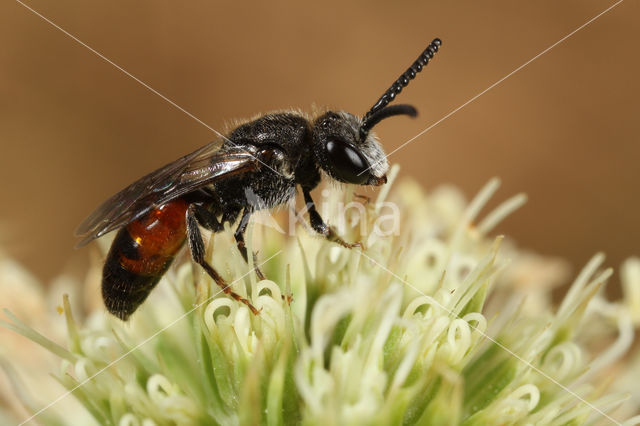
(425, 325)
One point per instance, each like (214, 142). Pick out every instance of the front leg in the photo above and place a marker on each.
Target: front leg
(322, 228)
(239, 236)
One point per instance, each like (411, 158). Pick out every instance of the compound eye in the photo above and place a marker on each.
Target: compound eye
(347, 163)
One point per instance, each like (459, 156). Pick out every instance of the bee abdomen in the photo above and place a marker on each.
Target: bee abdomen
(122, 290)
(140, 254)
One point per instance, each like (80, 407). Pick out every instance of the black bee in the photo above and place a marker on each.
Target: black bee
(257, 166)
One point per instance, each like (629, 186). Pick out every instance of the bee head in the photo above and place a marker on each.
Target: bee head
(345, 146)
(344, 153)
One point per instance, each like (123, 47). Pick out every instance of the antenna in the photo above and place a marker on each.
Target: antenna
(396, 88)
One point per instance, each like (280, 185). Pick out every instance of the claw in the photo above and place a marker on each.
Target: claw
(259, 273)
(332, 236)
(365, 198)
(288, 298)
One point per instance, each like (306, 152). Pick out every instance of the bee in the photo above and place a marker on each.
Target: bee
(258, 165)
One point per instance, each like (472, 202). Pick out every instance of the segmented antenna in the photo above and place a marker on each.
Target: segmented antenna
(401, 82)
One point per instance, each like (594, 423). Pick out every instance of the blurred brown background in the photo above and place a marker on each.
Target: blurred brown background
(565, 129)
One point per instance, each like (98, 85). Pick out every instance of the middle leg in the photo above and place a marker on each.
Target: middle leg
(239, 236)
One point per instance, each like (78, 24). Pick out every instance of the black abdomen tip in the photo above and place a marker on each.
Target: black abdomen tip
(437, 42)
(122, 290)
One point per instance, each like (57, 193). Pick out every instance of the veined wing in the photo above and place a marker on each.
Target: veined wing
(193, 171)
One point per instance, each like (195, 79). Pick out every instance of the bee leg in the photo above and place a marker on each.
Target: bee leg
(365, 198)
(207, 219)
(322, 228)
(239, 236)
(196, 245)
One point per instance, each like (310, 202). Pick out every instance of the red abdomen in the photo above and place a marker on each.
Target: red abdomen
(139, 256)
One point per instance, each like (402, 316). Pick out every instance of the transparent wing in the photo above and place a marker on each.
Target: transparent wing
(201, 167)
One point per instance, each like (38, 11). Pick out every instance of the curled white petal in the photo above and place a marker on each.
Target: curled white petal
(392, 300)
(563, 361)
(268, 297)
(619, 314)
(326, 314)
(458, 340)
(158, 387)
(99, 347)
(459, 268)
(303, 376)
(433, 307)
(80, 369)
(273, 288)
(517, 404)
(129, 420)
(212, 308)
(168, 398)
(480, 323)
(528, 392)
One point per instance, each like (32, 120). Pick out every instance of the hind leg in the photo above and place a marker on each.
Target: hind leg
(208, 220)
(196, 245)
